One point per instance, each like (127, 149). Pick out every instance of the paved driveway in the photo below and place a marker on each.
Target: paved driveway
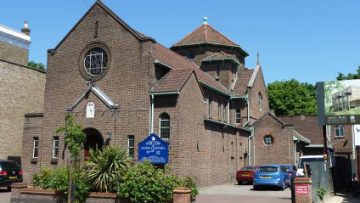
(4, 195)
(231, 193)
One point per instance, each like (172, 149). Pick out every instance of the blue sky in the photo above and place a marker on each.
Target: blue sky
(303, 39)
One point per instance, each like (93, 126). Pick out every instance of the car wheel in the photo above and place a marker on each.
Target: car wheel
(8, 188)
(239, 182)
(255, 187)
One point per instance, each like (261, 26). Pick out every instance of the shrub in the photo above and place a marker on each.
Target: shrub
(82, 187)
(42, 178)
(104, 168)
(57, 179)
(143, 183)
(190, 183)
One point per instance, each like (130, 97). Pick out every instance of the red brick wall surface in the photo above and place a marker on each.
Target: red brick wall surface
(281, 151)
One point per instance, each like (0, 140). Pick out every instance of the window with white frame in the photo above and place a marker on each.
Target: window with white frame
(55, 147)
(268, 140)
(131, 145)
(237, 115)
(95, 61)
(339, 131)
(260, 101)
(224, 112)
(164, 126)
(35, 152)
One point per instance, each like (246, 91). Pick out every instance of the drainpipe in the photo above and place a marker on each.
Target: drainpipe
(152, 114)
(249, 147)
(248, 107)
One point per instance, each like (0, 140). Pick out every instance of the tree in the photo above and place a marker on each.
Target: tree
(74, 140)
(39, 66)
(349, 76)
(292, 97)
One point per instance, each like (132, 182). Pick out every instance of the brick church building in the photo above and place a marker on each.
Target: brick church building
(122, 85)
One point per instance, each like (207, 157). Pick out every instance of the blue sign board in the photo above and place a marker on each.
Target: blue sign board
(153, 149)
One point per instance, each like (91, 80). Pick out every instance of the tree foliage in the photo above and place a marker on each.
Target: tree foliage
(349, 76)
(39, 66)
(291, 97)
(74, 136)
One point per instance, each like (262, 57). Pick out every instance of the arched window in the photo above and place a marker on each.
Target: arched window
(260, 102)
(164, 126)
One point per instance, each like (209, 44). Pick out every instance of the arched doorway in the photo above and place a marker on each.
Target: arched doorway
(93, 141)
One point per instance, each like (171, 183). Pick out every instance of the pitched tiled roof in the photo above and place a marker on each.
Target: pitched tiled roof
(242, 82)
(173, 81)
(221, 56)
(205, 34)
(178, 62)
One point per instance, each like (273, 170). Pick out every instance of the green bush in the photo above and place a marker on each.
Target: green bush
(143, 183)
(57, 179)
(42, 178)
(104, 168)
(82, 187)
(190, 183)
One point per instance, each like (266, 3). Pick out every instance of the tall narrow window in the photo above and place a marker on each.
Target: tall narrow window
(234, 72)
(219, 109)
(55, 147)
(131, 144)
(237, 116)
(224, 112)
(339, 131)
(35, 152)
(209, 107)
(164, 126)
(260, 101)
(217, 72)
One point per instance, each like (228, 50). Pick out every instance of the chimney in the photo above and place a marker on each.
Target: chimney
(26, 30)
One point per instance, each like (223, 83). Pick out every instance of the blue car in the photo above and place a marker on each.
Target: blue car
(271, 175)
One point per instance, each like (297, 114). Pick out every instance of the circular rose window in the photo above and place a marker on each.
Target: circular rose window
(268, 140)
(95, 61)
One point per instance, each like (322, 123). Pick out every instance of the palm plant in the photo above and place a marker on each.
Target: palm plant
(104, 168)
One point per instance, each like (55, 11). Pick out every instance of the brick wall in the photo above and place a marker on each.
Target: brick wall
(258, 87)
(22, 91)
(14, 54)
(32, 128)
(200, 52)
(306, 125)
(281, 151)
(342, 144)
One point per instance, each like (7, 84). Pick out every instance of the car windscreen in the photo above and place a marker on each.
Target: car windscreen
(247, 168)
(7, 165)
(268, 169)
